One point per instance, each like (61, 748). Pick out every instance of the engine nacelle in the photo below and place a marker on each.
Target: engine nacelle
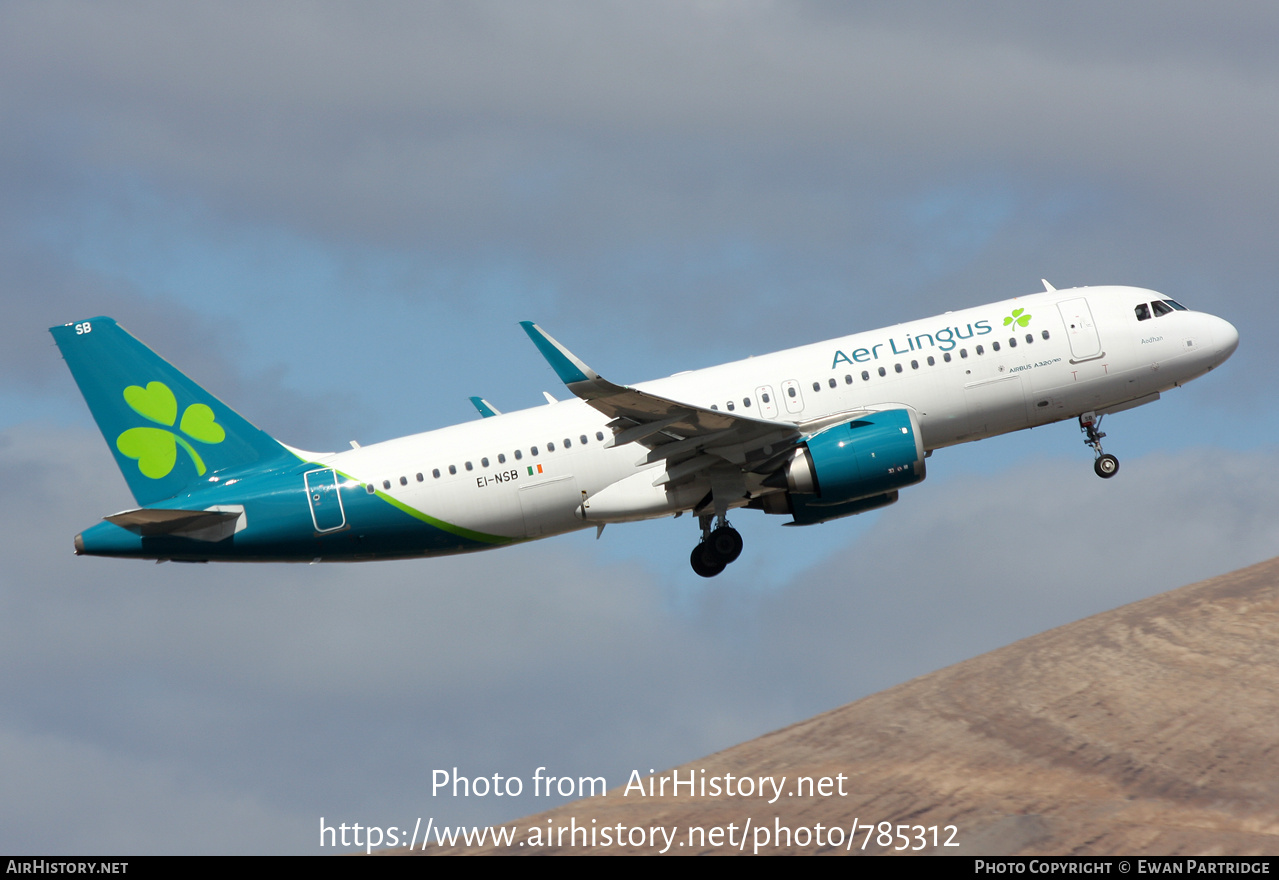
(856, 466)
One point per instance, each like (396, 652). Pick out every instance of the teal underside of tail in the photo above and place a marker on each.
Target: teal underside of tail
(165, 431)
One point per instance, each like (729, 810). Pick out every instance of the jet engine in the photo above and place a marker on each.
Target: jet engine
(852, 467)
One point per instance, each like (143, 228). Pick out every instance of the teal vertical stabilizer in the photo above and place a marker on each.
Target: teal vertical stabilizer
(166, 432)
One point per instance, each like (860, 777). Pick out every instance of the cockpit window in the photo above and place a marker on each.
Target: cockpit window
(1161, 308)
(1176, 305)
(1143, 312)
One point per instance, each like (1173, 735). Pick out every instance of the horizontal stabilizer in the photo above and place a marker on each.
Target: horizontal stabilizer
(201, 525)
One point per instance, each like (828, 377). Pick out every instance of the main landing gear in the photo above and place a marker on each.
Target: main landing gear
(1106, 465)
(717, 548)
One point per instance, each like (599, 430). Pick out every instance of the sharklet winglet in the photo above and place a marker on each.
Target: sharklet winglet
(566, 365)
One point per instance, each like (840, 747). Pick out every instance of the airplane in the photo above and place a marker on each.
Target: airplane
(813, 433)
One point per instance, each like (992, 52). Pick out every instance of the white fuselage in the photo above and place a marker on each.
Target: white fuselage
(965, 375)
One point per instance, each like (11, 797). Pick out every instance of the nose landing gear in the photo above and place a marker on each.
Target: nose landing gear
(717, 548)
(1106, 465)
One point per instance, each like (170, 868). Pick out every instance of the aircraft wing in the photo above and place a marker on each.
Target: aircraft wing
(670, 429)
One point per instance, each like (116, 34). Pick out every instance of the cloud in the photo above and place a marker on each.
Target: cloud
(670, 169)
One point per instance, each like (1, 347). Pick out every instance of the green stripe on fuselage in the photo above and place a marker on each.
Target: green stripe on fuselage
(460, 531)
(440, 524)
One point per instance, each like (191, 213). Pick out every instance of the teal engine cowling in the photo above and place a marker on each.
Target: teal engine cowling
(855, 466)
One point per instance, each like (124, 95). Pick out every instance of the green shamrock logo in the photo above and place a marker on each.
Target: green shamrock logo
(1017, 319)
(156, 449)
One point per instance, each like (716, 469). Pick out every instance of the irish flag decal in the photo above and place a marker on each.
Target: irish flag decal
(534, 469)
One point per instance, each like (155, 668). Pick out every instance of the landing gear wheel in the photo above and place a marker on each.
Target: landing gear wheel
(726, 543)
(1106, 466)
(705, 562)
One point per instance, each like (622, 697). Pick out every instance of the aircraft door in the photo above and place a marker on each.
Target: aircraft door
(793, 396)
(1085, 344)
(325, 500)
(766, 402)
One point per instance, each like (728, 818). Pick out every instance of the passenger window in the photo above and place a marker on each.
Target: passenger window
(931, 361)
(817, 386)
(746, 401)
(715, 406)
(832, 383)
(981, 350)
(883, 372)
(583, 439)
(484, 462)
(469, 467)
(550, 447)
(404, 481)
(1012, 342)
(568, 444)
(963, 352)
(730, 406)
(599, 435)
(368, 487)
(419, 477)
(501, 458)
(914, 365)
(1044, 334)
(1161, 309)
(1030, 337)
(897, 367)
(1143, 312)
(532, 450)
(386, 484)
(994, 347)
(435, 472)
(848, 378)
(946, 357)
(791, 391)
(865, 376)
(766, 397)
(519, 453)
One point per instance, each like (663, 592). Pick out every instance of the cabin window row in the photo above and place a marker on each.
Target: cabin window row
(484, 462)
(883, 371)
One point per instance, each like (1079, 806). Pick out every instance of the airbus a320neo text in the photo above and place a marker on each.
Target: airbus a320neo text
(811, 434)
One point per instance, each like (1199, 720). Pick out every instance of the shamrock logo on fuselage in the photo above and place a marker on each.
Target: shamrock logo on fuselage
(156, 449)
(1017, 319)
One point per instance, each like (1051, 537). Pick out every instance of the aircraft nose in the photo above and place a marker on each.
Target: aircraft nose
(1227, 338)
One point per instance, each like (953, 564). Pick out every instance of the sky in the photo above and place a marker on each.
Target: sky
(333, 216)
